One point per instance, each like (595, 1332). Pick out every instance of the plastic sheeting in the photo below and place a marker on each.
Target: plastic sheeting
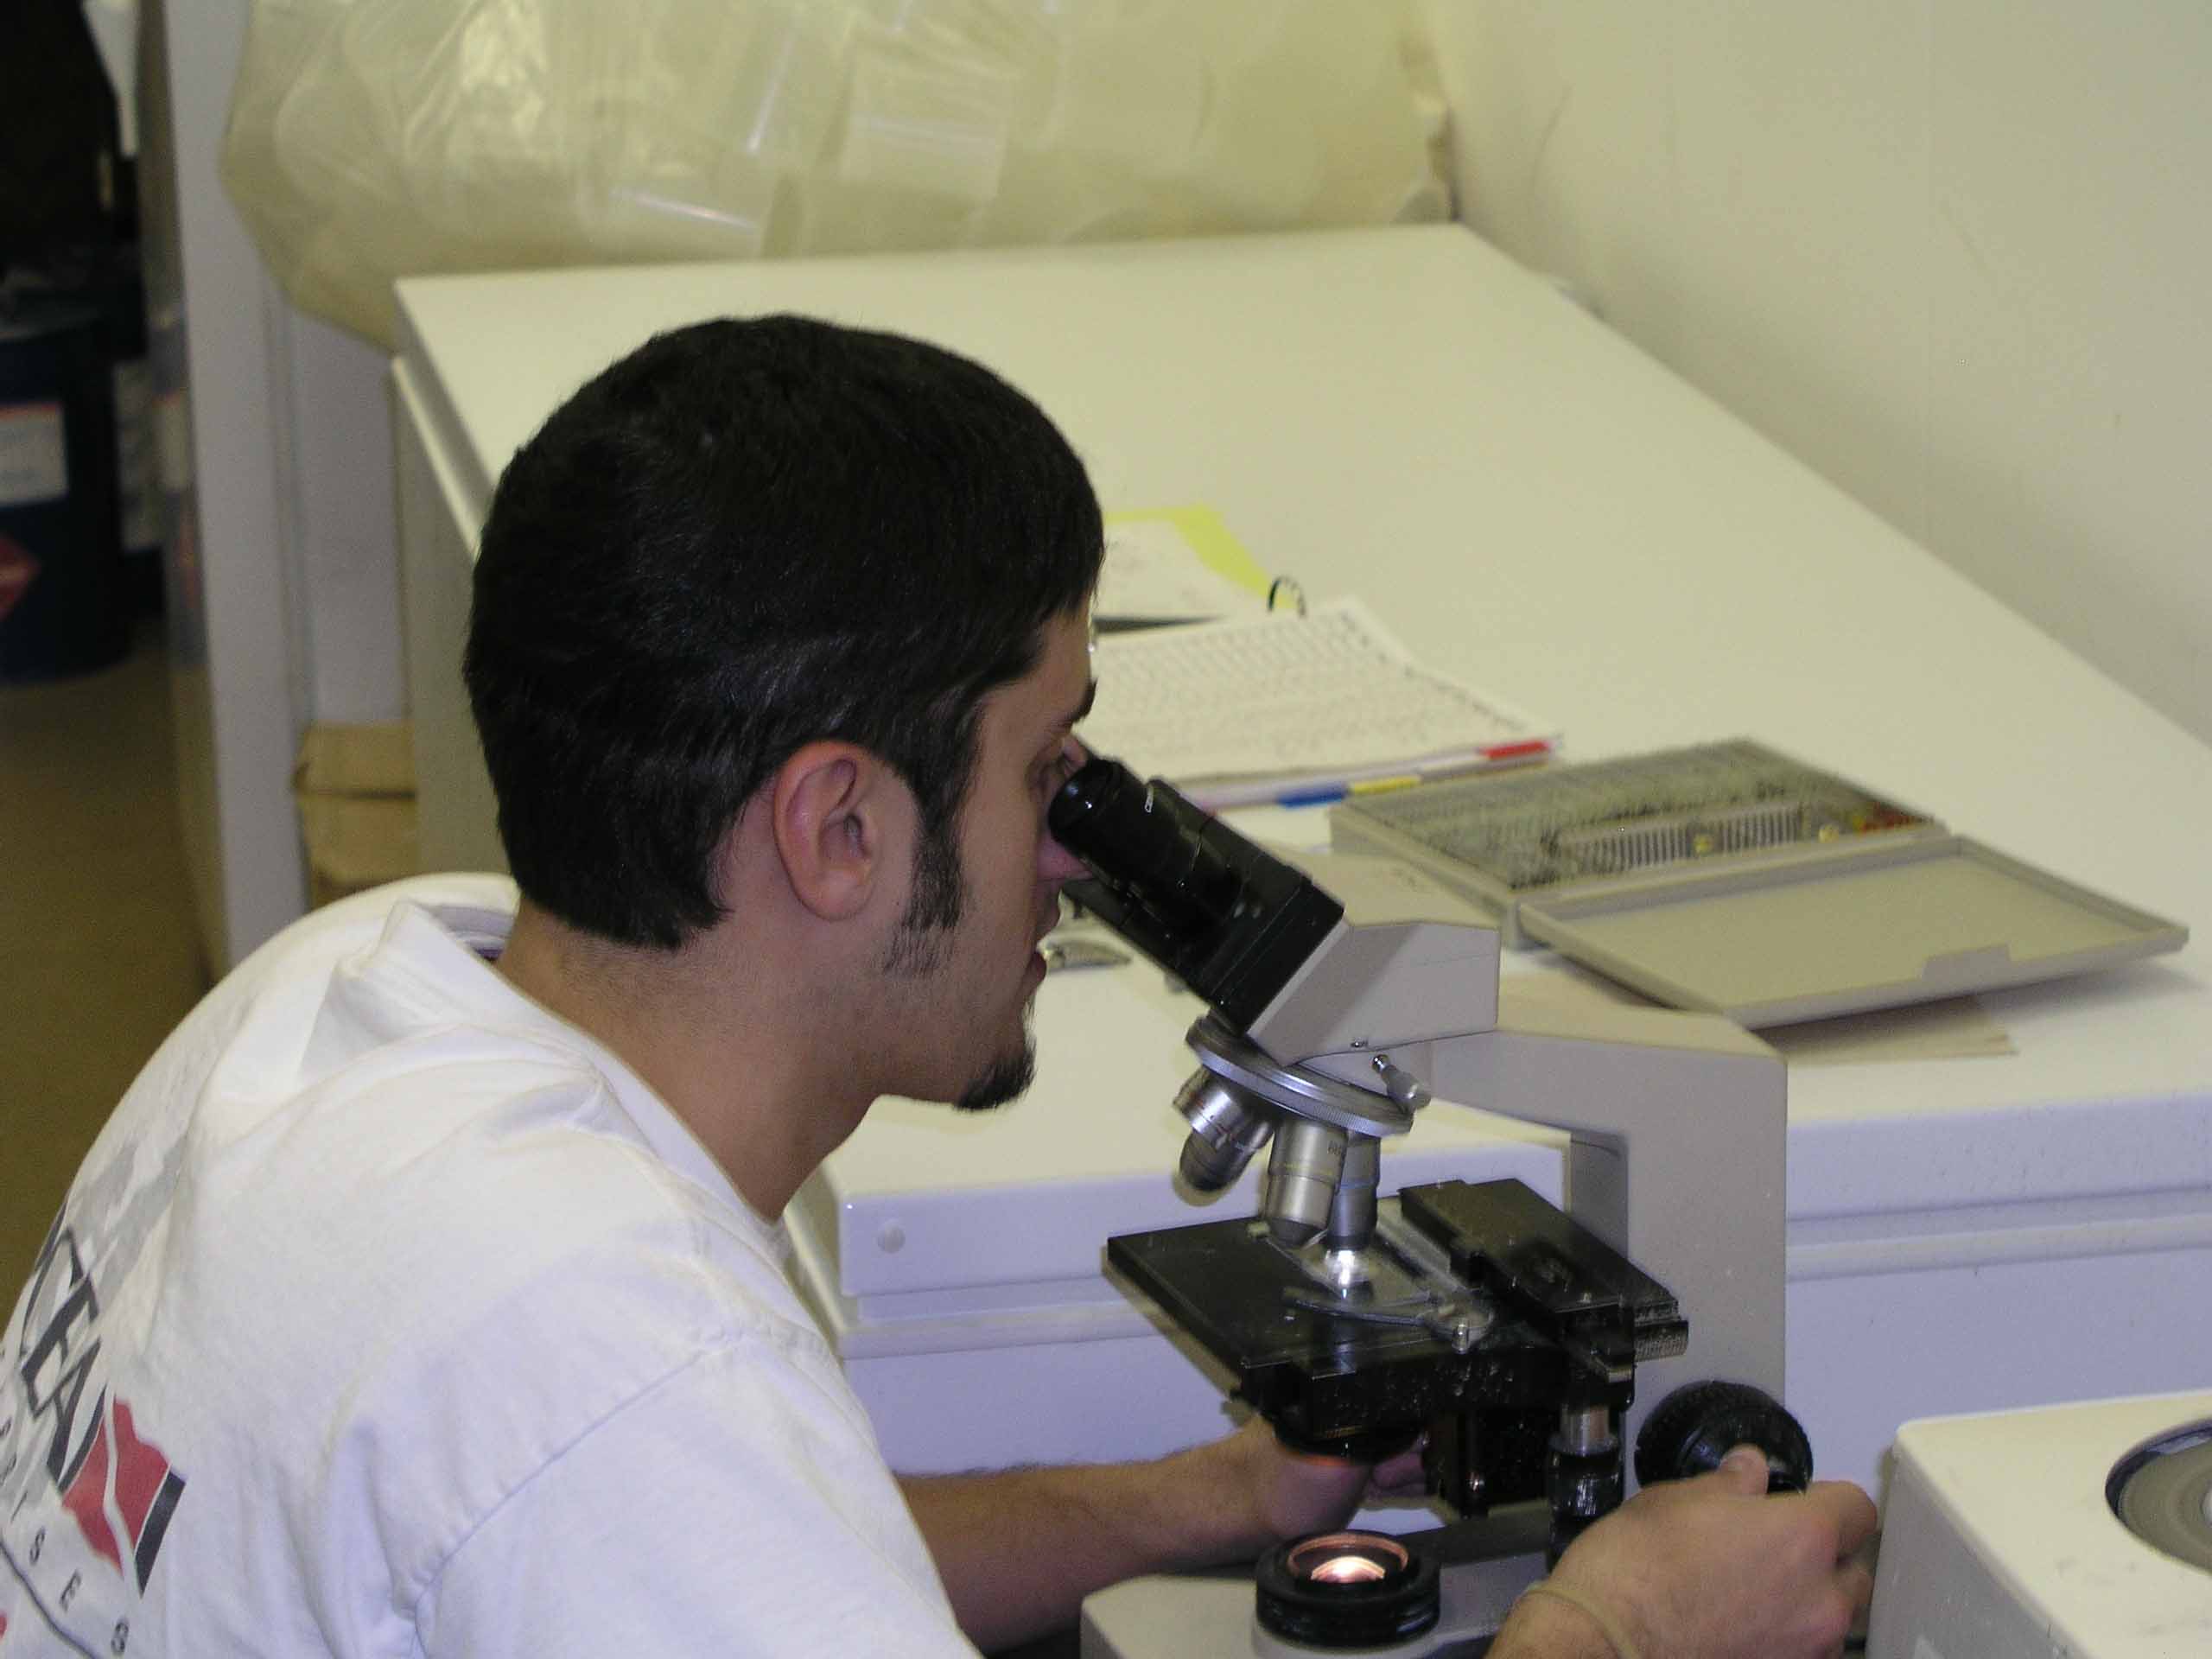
(373, 139)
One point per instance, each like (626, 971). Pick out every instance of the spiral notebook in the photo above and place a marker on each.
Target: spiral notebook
(1296, 708)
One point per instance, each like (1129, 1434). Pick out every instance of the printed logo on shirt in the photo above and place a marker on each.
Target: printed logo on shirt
(57, 1352)
(135, 1486)
(79, 1452)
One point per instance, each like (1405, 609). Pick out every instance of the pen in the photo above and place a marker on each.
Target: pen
(1326, 796)
(1329, 794)
(1524, 751)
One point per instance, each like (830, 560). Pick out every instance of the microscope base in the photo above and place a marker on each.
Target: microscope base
(1198, 1618)
(1486, 1563)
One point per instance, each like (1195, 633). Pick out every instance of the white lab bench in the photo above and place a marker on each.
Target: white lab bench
(1530, 504)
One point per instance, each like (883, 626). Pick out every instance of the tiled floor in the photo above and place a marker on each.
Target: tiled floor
(100, 954)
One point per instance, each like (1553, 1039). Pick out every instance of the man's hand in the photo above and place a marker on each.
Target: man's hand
(1709, 1568)
(1293, 1493)
(1018, 1551)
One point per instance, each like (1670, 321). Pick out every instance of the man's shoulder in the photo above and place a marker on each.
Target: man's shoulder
(377, 1033)
(479, 903)
(402, 1141)
(492, 1161)
(256, 1024)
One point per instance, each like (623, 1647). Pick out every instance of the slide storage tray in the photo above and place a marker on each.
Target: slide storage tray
(1844, 929)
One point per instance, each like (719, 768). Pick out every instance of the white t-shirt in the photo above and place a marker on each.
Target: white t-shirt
(391, 1315)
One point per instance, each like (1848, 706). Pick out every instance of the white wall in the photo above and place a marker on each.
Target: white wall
(1952, 253)
(237, 674)
(1947, 252)
(341, 526)
(290, 458)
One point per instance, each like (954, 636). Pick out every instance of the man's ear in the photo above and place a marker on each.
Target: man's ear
(836, 814)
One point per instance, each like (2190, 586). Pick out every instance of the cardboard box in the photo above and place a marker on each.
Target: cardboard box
(355, 786)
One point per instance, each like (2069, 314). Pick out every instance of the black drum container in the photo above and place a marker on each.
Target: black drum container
(62, 602)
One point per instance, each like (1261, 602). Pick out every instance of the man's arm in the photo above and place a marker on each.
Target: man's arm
(1020, 1550)
(1710, 1567)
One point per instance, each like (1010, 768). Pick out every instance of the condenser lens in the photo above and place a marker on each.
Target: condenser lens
(1347, 1590)
(1349, 1569)
(1349, 1558)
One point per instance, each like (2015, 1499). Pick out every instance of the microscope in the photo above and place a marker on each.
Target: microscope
(1525, 1342)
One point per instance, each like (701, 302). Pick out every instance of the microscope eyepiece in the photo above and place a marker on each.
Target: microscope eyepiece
(1226, 917)
(1145, 840)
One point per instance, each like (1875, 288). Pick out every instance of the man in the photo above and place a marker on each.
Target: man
(425, 1294)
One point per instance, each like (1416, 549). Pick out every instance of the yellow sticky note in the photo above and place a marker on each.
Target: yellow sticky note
(1210, 538)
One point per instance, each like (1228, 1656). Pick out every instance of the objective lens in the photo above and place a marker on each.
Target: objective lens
(1338, 1590)
(1302, 1175)
(1227, 1126)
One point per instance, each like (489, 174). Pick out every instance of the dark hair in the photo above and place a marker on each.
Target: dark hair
(744, 537)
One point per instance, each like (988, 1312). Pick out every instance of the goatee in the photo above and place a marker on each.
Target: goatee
(1008, 1078)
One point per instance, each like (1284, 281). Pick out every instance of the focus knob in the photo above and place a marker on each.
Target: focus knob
(1692, 1428)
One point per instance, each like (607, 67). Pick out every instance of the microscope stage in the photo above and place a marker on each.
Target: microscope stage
(1478, 1296)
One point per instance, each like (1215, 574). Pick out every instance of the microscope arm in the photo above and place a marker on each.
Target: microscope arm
(1317, 966)
(1677, 1125)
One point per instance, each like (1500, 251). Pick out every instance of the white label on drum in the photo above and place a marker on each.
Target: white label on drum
(34, 457)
